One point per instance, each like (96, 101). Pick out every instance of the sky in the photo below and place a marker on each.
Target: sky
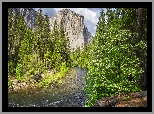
(91, 15)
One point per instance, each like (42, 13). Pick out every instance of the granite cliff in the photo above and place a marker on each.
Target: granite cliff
(74, 27)
(29, 15)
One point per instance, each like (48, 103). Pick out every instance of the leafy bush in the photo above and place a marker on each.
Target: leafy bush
(19, 72)
(46, 80)
(115, 67)
(114, 70)
(127, 98)
(10, 83)
(63, 69)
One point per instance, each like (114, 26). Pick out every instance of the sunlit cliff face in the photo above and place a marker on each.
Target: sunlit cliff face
(74, 28)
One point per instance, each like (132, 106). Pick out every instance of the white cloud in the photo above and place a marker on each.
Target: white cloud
(88, 14)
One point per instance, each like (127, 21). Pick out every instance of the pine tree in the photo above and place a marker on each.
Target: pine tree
(26, 50)
(56, 57)
(65, 52)
(10, 42)
(39, 34)
(46, 32)
(16, 30)
(47, 43)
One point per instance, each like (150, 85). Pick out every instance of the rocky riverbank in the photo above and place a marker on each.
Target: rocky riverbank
(138, 99)
(35, 82)
(22, 86)
(27, 85)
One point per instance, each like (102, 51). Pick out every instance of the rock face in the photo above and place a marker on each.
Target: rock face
(87, 35)
(74, 27)
(29, 15)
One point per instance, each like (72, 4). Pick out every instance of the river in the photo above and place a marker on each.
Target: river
(69, 94)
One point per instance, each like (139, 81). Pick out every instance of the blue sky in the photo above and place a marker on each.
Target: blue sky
(91, 15)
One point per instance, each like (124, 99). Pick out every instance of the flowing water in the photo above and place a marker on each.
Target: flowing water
(69, 94)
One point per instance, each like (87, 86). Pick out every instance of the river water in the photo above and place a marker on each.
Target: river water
(69, 94)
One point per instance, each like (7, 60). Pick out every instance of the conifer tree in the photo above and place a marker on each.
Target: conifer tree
(65, 52)
(47, 43)
(39, 34)
(45, 39)
(10, 42)
(26, 51)
(56, 57)
(16, 30)
(46, 32)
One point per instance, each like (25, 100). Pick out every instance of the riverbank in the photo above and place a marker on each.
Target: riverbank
(68, 94)
(37, 82)
(137, 99)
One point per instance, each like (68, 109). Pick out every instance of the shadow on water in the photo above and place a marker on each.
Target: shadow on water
(68, 94)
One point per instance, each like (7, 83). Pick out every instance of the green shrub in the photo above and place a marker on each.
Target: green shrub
(127, 98)
(10, 83)
(114, 68)
(19, 72)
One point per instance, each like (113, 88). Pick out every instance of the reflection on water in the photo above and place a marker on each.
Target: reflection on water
(69, 94)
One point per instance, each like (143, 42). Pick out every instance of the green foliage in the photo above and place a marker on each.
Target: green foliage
(10, 83)
(115, 59)
(10, 68)
(63, 69)
(32, 52)
(19, 72)
(16, 28)
(127, 98)
(64, 45)
(115, 67)
(46, 80)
